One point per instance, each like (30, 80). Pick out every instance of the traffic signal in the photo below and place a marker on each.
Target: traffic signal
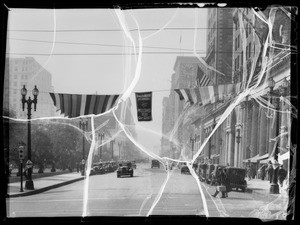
(21, 152)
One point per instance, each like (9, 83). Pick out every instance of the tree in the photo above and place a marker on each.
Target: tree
(66, 144)
(41, 148)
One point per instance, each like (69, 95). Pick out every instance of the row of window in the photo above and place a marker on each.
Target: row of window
(23, 76)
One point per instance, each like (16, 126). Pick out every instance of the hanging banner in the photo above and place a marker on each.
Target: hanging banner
(144, 106)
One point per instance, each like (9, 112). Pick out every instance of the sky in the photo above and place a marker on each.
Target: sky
(87, 51)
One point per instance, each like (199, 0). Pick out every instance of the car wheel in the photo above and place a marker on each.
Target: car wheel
(243, 189)
(131, 175)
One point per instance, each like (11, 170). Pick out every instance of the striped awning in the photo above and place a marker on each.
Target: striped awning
(208, 94)
(74, 105)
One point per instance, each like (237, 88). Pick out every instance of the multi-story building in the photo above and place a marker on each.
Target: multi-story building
(186, 70)
(253, 123)
(27, 71)
(219, 44)
(249, 132)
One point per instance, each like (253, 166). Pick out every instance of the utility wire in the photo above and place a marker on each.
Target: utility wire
(111, 54)
(93, 44)
(131, 30)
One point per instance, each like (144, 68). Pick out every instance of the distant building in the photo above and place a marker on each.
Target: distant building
(27, 71)
(219, 44)
(185, 75)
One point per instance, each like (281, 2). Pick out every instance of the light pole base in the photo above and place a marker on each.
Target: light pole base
(274, 189)
(29, 185)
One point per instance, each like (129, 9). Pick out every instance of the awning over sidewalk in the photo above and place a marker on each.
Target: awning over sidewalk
(280, 158)
(283, 157)
(265, 156)
(253, 159)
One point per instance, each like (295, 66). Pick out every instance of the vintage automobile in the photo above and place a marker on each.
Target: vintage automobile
(237, 178)
(209, 171)
(125, 169)
(97, 168)
(155, 163)
(184, 169)
(215, 174)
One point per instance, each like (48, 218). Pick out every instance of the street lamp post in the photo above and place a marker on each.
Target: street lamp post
(112, 148)
(83, 125)
(209, 148)
(274, 188)
(119, 143)
(238, 141)
(29, 183)
(193, 140)
(101, 136)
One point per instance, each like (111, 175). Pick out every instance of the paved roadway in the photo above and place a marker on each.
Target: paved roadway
(134, 196)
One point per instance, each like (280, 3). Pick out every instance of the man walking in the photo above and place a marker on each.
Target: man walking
(221, 180)
(281, 175)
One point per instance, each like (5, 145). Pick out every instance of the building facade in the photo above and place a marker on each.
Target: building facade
(27, 71)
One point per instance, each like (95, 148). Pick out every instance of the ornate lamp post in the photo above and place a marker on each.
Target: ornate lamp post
(83, 125)
(209, 149)
(112, 148)
(193, 140)
(274, 188)
(101, 136)
(119, 143)
(29, 183)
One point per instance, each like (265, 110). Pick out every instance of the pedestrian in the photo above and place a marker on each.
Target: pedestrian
(270, 171)
(282, 173)
(249, 172)
(227, 183)
(263, 172)
(221, 184)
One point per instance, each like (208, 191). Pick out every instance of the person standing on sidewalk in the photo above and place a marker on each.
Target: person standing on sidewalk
(249, 171)
(281, 175)
(270, 171)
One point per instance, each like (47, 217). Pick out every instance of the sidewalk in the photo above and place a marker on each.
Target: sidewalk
(261, 188)
(43, 184)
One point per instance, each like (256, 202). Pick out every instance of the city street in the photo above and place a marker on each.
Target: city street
(134, 196)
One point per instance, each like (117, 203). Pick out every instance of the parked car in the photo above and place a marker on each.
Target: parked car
(209, 171)
(97, 168)
(184, 169)
(125, 169)
(237, 178)
(215, 174)
(155, 163)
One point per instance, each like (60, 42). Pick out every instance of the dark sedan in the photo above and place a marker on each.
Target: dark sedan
(125, 169)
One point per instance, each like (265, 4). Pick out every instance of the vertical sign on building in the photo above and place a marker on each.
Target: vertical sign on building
(144, 106)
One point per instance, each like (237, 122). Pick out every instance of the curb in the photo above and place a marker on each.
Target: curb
(44, 189)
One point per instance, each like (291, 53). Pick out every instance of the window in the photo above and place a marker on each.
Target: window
(16, 76)
(249, 49)
(15, 84)
(16, 69)
(242, 57)
(235, 44)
